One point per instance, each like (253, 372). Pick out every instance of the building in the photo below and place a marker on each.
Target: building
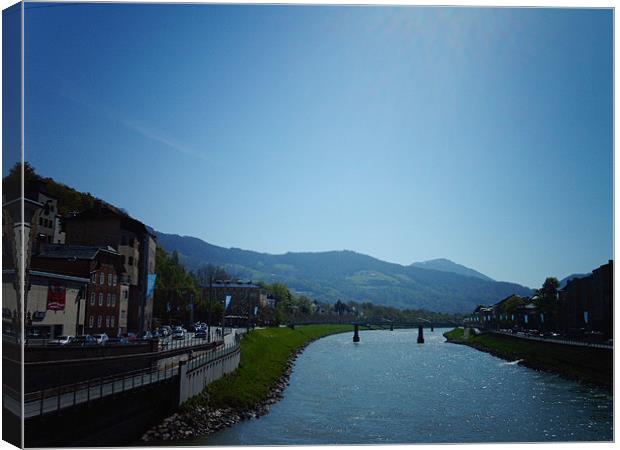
(105, 226)
(102, 267)
(49, 230)
(586, 304)
(54, 304)
(245, 297)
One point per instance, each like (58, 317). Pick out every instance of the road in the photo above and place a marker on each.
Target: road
(51, 400)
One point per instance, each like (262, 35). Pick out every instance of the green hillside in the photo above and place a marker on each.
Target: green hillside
(349, 276)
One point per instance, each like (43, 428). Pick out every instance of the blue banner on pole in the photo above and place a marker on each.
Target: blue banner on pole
(542, 318)
(227, 302)
(525, 318)
(585, 316)
(150, 284)
(255, 310)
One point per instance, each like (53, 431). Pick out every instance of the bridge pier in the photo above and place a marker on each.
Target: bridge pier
(391, 327)
(432, 328)
(420, 334)
(356, 333)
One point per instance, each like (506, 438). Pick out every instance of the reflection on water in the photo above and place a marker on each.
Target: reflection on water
(388, 389)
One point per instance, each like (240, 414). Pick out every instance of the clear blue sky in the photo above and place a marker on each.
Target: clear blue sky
(479, 135)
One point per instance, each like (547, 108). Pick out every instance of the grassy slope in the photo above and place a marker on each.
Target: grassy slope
(264, 354)
(591, 365)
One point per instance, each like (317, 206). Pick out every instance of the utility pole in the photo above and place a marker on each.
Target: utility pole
(210, 300)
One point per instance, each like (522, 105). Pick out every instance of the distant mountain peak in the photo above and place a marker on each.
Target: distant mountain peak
(445, 265)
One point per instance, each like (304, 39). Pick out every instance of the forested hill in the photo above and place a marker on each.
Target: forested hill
(347, 275)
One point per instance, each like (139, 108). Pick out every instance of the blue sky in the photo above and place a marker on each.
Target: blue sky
(406, 133)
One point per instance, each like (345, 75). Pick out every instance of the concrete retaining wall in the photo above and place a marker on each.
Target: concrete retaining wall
(194, 376)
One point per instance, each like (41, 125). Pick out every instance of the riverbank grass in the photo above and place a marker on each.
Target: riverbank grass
(586, 364)
(264, 356)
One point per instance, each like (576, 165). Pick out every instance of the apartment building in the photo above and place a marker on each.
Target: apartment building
(105, 226)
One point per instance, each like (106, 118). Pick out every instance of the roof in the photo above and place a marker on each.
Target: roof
(101, 211)
(58, 276)
(63, 251)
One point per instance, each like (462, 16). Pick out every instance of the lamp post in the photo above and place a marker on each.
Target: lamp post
(20, 224)
(210, 300)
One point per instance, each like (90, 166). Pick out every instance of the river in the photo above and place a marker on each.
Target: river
(389, 389)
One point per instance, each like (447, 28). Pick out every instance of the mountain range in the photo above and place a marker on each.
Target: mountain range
(437, 285)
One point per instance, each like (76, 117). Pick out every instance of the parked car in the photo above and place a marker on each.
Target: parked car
(594, 336)
(61, 340)
(129, 336)
(144, 335)
(36, 335)
(165, 331)
(117, 341)
(178, 333)
(84, 341)
(101, 338)
(200, 334)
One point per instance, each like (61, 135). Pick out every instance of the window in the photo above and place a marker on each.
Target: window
(92, 299)
(131, 260)
(127, 294)
(93, 278)
(115, 280)
(99, 320)
(113, 299)
(100, 298)
(109, 279)
(130, 242)
(107, 321)
(52, 208)
(91, 321)
(111, 321)
(108, 300)
(102, 278)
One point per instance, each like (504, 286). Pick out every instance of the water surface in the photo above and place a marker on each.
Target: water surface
(388, 389)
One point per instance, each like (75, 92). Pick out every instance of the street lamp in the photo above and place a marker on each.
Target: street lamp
(20, 232)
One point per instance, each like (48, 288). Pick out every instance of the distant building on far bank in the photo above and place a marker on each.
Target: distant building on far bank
(587, 303)
(244, 296)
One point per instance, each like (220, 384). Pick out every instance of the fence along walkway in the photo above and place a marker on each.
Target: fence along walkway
(67, 396)
(556, 340)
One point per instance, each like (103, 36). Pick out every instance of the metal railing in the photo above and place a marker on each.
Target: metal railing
(54, 399)
(554, 340)
(214, 355)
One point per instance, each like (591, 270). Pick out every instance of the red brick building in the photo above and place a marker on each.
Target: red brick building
(103, 267)
(103, 226)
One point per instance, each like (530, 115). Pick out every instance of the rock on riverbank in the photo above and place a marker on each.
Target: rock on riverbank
(202, 421)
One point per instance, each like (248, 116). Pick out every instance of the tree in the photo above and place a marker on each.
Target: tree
(175, 288)
(547, 301)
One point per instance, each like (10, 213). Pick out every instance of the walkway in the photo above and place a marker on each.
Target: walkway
(55, 399)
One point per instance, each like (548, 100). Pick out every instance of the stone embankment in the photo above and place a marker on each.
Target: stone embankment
(202, 421)
(582, 364)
